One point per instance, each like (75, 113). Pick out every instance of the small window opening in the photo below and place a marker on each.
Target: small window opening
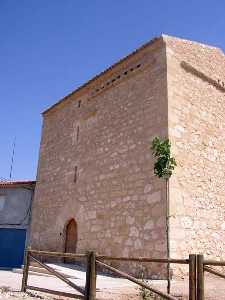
(79, 103)
(78, 132)
(75, 175)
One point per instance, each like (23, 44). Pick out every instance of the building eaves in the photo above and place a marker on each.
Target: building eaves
(4, 183)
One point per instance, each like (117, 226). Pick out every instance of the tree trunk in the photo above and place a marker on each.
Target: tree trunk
(168, 234)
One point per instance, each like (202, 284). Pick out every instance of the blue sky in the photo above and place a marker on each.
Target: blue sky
(49, 47)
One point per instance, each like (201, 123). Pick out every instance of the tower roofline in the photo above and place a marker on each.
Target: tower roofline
(87, 83)
(162, 38)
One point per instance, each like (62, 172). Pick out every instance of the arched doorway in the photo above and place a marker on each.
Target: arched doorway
(70, 238)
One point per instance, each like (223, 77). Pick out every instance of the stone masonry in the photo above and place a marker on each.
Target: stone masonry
(196, 95)
(95, 163)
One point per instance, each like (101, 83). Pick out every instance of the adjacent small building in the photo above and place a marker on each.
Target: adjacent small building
(15, 213)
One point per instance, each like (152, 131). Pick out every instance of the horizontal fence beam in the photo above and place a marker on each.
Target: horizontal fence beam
(144, 259)
(214, 272)
(59, 293)
(214, 263)
(57, 254)
(137, 281)
(105, 257)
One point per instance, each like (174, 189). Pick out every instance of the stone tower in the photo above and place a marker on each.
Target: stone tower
(96, 168)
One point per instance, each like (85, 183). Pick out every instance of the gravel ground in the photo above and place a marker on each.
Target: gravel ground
(7, 293)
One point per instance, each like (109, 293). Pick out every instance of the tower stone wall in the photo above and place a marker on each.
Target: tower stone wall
(96, 167)
(95, 163)
(196, 109)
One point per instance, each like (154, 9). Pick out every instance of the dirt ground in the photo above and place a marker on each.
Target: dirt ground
(109, 288)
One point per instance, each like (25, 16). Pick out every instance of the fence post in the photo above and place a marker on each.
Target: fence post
(200, 277)
(90, 287)
(192, 276)
(93, 277)
(25, 269)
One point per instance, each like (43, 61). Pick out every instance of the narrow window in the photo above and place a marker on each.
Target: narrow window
(79, 103)
(75, 174)
(78, 132)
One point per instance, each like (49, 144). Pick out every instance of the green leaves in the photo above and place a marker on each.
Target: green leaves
(165, 164)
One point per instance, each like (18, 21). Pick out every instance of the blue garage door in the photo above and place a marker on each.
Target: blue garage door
(12, 243)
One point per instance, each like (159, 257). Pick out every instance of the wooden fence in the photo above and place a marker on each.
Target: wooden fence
(30, 256)
(202, 268)
(93, 261)
(191, 261)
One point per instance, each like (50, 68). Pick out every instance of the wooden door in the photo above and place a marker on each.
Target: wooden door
(71, 239)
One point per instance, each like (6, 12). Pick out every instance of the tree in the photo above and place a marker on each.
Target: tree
(165, 164)
(163, 168)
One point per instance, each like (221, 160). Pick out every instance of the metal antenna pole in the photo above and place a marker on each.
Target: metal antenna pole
(12, 160)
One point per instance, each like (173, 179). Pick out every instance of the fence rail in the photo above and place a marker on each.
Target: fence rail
(144, 259)
(192, 271)
(58, 293)
(57, 254)
(137, 281)
(94, 260)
